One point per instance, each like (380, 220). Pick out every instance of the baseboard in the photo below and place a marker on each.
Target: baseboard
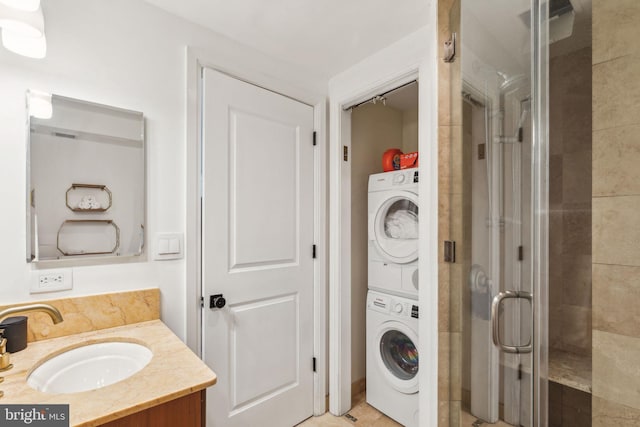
(357, 387)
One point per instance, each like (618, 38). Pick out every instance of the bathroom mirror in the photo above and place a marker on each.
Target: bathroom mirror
(85, 180)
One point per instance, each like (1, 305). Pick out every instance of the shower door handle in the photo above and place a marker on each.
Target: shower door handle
(495, 321)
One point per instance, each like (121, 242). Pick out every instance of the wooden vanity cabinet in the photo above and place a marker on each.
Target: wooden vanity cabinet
(187, 411)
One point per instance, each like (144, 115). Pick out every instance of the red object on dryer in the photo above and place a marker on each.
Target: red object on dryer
(391, 159)
(409, 160)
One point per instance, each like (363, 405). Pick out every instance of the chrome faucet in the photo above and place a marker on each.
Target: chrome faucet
(53, 312)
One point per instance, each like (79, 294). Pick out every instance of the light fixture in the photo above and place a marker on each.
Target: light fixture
(27, 23)
(32, 47)
(22, 25)
(40, 104)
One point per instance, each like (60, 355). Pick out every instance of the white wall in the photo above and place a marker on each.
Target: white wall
(128, 54)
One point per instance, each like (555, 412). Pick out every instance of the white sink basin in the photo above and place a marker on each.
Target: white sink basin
(89, 367)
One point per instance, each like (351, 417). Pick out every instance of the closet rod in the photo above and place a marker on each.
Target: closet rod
(380, 95)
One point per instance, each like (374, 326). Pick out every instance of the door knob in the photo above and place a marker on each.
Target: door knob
(217, 301)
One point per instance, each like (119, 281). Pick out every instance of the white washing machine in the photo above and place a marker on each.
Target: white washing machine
(393, 232)
(392, 356)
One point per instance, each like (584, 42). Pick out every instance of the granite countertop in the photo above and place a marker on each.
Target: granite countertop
(173, 372)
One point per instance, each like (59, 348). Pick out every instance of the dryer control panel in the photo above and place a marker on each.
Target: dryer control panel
(404, 177)
(394, 180)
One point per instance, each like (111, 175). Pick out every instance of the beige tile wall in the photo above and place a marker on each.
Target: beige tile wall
(568, 406)
(449, 200)
(570, 202)
(616, 213)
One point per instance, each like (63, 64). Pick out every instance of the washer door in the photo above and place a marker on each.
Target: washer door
(395, 228)
(398, 356)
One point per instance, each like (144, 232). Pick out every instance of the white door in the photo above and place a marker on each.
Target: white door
(257, 237)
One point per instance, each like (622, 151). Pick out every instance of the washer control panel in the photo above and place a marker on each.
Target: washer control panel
(395, 307)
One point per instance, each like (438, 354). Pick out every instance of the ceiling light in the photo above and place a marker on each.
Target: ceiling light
(32, 47)
(27, 23)
(28, 5)
(40, 104)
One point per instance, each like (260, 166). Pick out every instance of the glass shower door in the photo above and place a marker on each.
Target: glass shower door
(504, 210)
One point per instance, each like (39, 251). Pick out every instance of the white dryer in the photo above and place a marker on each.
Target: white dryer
(392, 356)
(393, 232)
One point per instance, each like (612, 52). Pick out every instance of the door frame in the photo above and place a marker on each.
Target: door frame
(196, 61)
(413, 57)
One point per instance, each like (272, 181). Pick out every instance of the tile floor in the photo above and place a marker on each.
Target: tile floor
(361, 415)
(365, 415)
(468, 420)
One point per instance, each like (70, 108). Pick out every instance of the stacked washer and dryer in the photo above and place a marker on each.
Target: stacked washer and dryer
(392, 300)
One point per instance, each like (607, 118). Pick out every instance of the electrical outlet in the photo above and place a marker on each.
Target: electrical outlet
(47, 280)
(52, 280)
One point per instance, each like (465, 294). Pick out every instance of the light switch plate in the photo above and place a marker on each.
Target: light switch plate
(168, 246)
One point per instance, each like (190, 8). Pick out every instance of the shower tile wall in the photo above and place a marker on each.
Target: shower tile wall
(616, 213)
(450, 176)
(570, 202)
(568, 407)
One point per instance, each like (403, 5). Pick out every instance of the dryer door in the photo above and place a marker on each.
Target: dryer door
(395, 227)
(397, 357)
